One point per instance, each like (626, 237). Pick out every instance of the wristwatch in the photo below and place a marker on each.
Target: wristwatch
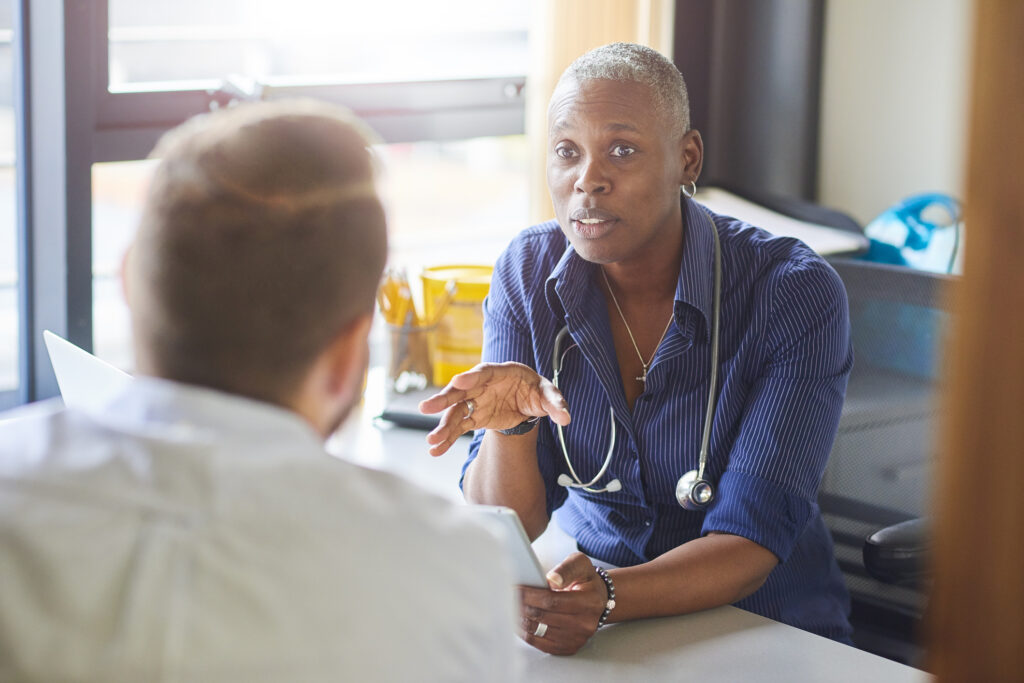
(522, 428)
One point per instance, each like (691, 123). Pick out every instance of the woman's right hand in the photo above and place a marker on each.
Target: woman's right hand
(492, 396)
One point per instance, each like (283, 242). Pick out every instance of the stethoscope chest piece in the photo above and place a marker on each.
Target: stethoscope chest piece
(694, 492)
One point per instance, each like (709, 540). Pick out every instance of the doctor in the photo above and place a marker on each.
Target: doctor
(703, 362)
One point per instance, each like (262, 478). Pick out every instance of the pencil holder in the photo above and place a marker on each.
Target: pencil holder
(410, 349)
(453, 299)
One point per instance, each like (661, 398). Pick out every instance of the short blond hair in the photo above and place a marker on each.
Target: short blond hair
(261, 239)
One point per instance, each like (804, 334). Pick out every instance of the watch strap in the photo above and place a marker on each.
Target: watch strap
(523, 427)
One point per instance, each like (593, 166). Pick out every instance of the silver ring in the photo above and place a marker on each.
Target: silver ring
(470, 406)
(541, 629)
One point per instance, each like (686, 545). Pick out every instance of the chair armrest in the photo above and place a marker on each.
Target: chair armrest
(896, 554)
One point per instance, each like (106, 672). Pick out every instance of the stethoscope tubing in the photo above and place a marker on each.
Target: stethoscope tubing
(556, 365)
(709, 413)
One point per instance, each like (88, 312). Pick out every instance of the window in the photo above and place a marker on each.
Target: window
(118, 190)
(453, 152)
(313, 41)
(447, 202)
(9, 318)
(456, 201)
(401, 65)
(454, 160)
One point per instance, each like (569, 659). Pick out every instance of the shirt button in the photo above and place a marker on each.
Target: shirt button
(647, 522)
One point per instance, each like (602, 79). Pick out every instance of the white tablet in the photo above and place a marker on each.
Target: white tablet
(525, 565)
(85, 381)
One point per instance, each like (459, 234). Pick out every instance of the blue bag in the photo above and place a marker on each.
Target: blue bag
(921, 232)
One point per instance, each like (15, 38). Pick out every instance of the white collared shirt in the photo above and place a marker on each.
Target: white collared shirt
(182, 534)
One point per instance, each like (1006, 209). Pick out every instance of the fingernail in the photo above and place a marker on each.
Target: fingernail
(555, 579)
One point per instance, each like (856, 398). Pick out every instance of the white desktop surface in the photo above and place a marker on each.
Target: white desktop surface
(723, 644)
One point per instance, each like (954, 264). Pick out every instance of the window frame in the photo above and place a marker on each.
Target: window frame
(67, 119)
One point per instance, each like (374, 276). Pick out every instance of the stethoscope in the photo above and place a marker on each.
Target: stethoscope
(693, 491)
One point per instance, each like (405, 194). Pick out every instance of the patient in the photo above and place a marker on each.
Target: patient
(195, 528)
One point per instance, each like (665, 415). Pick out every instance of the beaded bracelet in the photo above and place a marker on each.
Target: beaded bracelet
(610, 605)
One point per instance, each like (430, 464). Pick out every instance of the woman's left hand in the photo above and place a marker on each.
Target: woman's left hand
(569, 611)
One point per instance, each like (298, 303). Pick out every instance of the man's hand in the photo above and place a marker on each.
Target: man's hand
(502, 395)
(570, 610)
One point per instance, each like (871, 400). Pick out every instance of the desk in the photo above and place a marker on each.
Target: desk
(723, 644)
(382, 445)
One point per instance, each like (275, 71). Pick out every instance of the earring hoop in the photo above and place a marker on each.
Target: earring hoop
(689, 195)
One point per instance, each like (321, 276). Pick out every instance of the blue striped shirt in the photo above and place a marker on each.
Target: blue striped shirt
(784, 359)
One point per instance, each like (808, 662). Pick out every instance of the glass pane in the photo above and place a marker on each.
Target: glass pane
(454, 202)
(447, 203)
(314, 40)
(8, 212)
(118, 190)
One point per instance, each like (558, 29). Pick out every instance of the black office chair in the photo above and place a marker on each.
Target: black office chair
(898, 554)
(878, 471)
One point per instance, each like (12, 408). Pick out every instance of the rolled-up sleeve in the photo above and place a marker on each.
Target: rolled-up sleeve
(769, 488)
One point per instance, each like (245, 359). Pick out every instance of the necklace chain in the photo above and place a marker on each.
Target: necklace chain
(642, 378)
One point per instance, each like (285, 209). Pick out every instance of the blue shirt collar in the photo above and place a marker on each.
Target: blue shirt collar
(568, 286)
(697, 273)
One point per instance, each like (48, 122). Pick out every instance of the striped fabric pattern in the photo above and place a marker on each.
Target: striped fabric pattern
(784, 359)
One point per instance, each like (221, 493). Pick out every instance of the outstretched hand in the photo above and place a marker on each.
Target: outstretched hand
(491, 396)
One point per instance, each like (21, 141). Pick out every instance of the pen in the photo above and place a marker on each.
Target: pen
(394, 297)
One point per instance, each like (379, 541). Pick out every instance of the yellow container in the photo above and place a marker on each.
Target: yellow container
(453, 296)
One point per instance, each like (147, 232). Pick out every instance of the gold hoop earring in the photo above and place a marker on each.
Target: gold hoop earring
(689, 195)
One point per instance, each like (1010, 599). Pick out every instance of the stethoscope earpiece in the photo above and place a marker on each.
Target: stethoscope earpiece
(566, 481)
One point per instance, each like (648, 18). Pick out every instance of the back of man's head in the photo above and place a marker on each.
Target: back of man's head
(262, 238)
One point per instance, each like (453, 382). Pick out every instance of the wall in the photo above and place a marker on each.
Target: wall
(894, 101)
(764, 96)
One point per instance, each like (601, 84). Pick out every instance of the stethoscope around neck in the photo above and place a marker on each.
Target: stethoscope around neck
(693, 491)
